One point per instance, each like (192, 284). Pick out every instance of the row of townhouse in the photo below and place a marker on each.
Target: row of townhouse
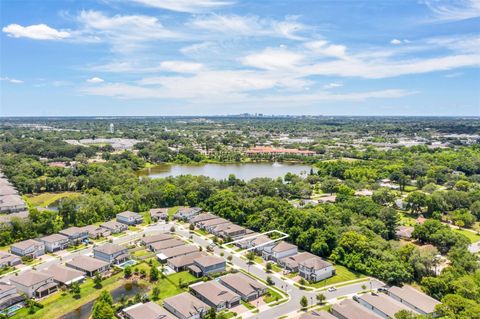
(380, 305)
(218, 226)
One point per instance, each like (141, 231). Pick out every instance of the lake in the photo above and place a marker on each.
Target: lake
(245, 171)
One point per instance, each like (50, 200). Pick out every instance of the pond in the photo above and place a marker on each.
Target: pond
(128, 290)
(244, 171)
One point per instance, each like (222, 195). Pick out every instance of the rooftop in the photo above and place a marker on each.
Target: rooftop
(71, 231)
(149, 310)
(129, 214)
(30, 277)
(87, 263)
(209, 260)
(242, 283)
(25, 244)
(54, 238)
(353, 310)
(214, 292)
(110, 249)
(64, 274)
(154, 238)
(385, 304)
(177, 251)
(415, 297)
(315, 263)
(186, 304)
(159, 245)
(283, 246)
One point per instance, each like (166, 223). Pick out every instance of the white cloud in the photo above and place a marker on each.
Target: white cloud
(125, 33)
(95, 80)
(453, 10)
(191, 6)
(197, 47)
(330, 50)
(181, 66)
(396, 41)
(14, 81)
(332, 85)
(37, 32)
(273, 59)
(252, 26)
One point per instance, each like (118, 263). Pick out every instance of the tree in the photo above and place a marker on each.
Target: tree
(416, 201)
(75, 290)
(156, 293)
(102, 310)
(154, 273)
(212, 314)
(304, 302)
(268, 267)
(270, 281)
(105, 296)
(320, 298)
(97, 280)
(127, 271)
(251, 257)
(405, 314)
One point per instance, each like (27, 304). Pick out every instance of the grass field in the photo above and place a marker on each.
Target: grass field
(342, 274)
(271, 296)
(470, 235)
(46, 199)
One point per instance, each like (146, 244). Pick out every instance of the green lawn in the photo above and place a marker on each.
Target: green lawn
(46, 199)
(470, 235)
(247, 305)
(185, 276)
(271, 295)
(342, 274)
(172, 211)
(410, 188)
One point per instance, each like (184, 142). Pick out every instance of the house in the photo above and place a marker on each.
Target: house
(255, 241)
(9, 260)
(315, 269)
(173, 252)
(96, 232)
(160, 245)
(187, 213)
(322, 314)
(55, 242)
(404, 232)
(34, 283)
(186, 306)
(290, 263)
(149, 310)
(147, 240)
(88, 265)
(210, 224)
(129, 218)
(64, 275)
(206, 265)
(111, 253)
(414, 299)
(157, 214)
(248, 288)
(202, 217)
(181, 263)
(349, 309)
(76, 235)
(231, 231)
(114, 227)
(383, 305)
(215, 295)
(28, 248)
(278, 251)
(9, 296)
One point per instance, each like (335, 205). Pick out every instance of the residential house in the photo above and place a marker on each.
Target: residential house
(76, 235)
(64, 275)
(173, 252)
(315, 269)
(210, 224)
(88, 265)
(28, 248)
(55, 242)
(129, 218)
(96, 232)
(9, 260)
(147, 240)
(206, 265)
(186, 306)
(278, 251)
(187, 213)
(157, 214)
(9, 296)
(290, 263)
(383, 305)
(149, 310)
(181, 263)
(414, 299)
(111, 253)
(322, 314)
(232, 231)
(161, 245)
(404, 232)
(34, 283)
(248, 288)
(202, 217)
(349, 309)
(215, 295)
(114, 227)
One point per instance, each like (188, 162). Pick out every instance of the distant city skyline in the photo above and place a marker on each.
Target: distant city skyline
(224, 57)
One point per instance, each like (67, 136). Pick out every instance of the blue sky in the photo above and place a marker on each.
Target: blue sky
(200, 57)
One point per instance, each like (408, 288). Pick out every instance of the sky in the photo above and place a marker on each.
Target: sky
(218, 57)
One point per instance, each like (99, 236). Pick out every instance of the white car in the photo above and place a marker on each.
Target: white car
(331, 289)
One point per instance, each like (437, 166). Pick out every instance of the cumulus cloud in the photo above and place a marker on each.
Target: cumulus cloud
(36, 32)
(273, 59)
(326, 49)
(396, 41)
(95, 80)
(191, 6)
